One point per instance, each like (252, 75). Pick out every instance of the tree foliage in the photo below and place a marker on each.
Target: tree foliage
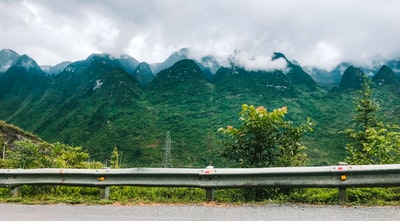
(28, 154)
(265, 139)
(372, 141)
(114, 159)
(70, 156)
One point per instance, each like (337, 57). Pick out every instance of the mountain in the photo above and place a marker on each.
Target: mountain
(124, 61)
(276, 82)
(236, 81)
(326, 78)
(352, 78)
(209, 63)
(7, 59)
(171, 60)
(209, 66)
(85, 77)
(385, 75)
(184, 78)
(21, 88)
(98, 104)
(93, 102)
(394, 65)
(56, 69)
(143, 74)
(128, 63)
(296, 73)
(24, 77)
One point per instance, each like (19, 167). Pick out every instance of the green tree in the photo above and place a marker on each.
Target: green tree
(372, 141)
(114, 160)
(265, 139)
(69, 156)
(28, 154)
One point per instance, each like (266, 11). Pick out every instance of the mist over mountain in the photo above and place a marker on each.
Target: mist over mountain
(106, 101)
(172, 59)
(56, 69)
(210, 65)
(7, 59)
(23, 75)
(326, 78)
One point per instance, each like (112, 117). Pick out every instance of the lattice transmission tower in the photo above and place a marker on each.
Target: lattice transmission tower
(167, 160)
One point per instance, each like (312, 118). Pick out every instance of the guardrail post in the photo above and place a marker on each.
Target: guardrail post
(342, 196)
(210, 194)
(14, 191)
(105, 193)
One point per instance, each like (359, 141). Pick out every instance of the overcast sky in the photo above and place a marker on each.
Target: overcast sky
(321, 33)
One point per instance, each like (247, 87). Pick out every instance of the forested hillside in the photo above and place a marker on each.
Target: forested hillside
(99, 103)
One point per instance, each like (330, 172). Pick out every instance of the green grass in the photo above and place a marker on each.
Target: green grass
(127, 195)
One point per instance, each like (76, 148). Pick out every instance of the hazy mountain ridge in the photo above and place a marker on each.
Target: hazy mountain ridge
(56, 69)
(7, 59)
(208, 64)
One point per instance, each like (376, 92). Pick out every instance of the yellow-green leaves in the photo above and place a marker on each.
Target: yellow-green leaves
(264, 139)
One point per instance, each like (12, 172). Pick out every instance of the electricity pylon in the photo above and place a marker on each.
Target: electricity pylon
(167, 160)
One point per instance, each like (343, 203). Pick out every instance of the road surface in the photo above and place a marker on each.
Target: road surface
(60, 212)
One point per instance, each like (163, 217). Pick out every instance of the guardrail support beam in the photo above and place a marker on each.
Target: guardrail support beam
(105, 193)
(210, 194)
(342, 196)
(14, 191)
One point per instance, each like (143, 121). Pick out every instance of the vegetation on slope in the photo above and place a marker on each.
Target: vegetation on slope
(98, 106)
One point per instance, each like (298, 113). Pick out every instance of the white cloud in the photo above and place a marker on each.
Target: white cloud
(319, 33)
(254, 63)
(323, 54)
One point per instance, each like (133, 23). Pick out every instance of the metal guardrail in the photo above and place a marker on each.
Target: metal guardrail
(342, 177)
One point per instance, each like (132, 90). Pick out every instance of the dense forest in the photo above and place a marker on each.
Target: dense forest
(98, 105)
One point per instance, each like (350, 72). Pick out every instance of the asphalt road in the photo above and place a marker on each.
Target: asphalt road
(16, 212)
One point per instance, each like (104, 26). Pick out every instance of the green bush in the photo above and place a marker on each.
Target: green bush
(157, 194)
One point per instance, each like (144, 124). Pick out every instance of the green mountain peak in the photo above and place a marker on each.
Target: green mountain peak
(385, 75)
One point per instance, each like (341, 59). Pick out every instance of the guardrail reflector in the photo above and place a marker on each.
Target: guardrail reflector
(101, 178)
(343, 177)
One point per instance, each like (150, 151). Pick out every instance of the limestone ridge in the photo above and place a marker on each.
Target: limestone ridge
(352, 78)
(7, 59)
(384, 76)
(143, 74)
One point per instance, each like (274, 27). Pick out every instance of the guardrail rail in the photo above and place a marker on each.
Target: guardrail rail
(341, 177)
